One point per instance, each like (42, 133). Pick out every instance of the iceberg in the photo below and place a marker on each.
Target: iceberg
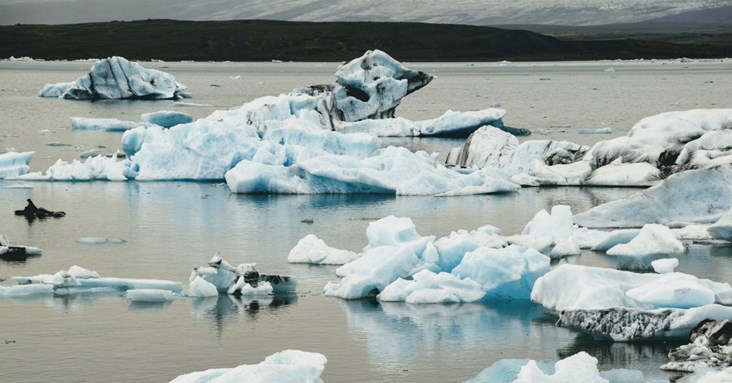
(655, 147)
(286, 366)
(14, 164)
(118, 78)
(313, 250)
(400, 265)
(294, 143)
(107, 124)
(574, 287)
(243, 279)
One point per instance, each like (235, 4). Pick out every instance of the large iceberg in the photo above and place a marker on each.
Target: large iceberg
(655, 147)
(118, 78)
(622, 305)
(286, 366)
(295, 143)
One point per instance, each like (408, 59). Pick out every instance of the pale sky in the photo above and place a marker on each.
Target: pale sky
(479, 12)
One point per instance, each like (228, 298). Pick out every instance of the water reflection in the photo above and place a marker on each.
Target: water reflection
(224, 309)
(644, 356)
(404, 332)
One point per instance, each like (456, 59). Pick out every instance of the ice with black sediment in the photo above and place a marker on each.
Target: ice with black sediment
(118, 78)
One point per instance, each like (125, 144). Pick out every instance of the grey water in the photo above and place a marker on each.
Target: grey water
(168, 228)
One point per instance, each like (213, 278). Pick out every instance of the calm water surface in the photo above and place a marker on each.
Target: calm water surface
(171, 227)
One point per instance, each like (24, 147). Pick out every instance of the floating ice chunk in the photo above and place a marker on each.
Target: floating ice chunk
(150, 295)
(199, 287)
(25, 290)
(606, 130)
(166, 118)
(117, 78)
(108, 124)
(286, 366)
(665, 266)
(508, 273)
(13, 164)
(652, 239)
(428, 287)
(98, 240)
(311, 249)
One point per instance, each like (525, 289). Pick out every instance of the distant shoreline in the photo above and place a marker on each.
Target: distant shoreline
(263, 40)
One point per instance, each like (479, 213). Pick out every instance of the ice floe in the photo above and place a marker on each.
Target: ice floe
(118, 78)
(286, 366)
(79, 279)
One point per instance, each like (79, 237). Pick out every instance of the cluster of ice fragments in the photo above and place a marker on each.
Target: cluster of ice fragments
(217, 277)
(118, 78)
(220, 276)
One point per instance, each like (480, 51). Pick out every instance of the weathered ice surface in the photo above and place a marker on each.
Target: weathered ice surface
(623, 324)
(118, 78)
(694, 196)
(656, 147)
(709, 348)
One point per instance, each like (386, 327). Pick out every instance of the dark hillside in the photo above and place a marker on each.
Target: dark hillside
(260, 40)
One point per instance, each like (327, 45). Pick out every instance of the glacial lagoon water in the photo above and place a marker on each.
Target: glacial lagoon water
(170, 227)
